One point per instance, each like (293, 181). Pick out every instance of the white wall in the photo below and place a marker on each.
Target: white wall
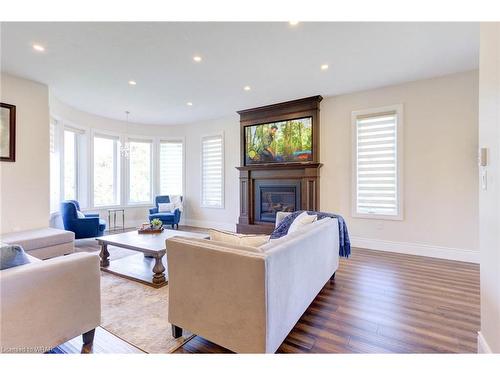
(24, 185)
(224, 218)
(489, 200)
(439, 166)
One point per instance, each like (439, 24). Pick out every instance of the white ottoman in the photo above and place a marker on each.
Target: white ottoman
(43, 243)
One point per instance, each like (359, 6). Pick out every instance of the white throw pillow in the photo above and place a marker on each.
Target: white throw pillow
(80, 214)
(165, 207)
(253, 240)
(303, 219)
(176, 201)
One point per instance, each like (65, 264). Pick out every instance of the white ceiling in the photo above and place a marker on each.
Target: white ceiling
(88, 65)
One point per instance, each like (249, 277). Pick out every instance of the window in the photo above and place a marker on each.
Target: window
(70, 165)
(212, 171)
(140, 172)
(106, 170)
(171, 167)
(377, 156)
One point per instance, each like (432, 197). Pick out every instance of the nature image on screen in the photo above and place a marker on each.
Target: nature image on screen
(279, 142)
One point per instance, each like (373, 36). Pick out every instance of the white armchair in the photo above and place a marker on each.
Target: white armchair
(46, 303)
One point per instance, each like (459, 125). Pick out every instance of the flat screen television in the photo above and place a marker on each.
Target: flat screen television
(279, 142)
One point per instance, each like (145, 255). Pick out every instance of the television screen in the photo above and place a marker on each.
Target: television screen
(279, 142)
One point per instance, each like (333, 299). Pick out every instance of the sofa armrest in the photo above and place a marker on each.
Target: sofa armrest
(47, 303)
(218, 293)
(153, 210)
(91, 214)
(177, 215)
(298, 266)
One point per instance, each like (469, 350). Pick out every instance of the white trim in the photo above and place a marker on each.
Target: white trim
(482, 344)
(223, 199)
(398, 108)
(211, 224)
(442, 252)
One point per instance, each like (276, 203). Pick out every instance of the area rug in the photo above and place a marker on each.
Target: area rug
(138, 314)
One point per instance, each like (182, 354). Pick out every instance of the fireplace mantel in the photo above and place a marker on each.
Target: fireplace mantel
(305, 174)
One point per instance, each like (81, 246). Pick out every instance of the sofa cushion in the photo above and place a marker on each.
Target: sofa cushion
(302, 220)
(80, 214)
(165, 207)
(211, 244)
(12, 256)
(38, 238)
(253, 240)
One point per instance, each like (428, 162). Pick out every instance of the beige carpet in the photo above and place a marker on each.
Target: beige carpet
(138, 314)
(135, 312)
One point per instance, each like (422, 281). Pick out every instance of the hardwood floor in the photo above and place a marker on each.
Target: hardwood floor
(380, 302)
(104, 342)
(383, 302)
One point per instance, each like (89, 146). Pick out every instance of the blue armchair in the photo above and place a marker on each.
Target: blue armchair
(90, 226)
(167, 218)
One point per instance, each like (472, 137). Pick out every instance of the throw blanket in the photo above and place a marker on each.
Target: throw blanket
(344, 242)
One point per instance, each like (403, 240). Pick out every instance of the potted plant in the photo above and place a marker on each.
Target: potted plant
(156, 224)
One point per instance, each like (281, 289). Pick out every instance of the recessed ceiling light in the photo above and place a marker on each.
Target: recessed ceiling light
(132, 83)
(38, 47)
(197, 58)
(247, 88)
(189, 104)
(293, 23)
(324, 67)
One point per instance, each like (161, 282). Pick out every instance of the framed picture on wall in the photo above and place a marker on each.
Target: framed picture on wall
(7, 132)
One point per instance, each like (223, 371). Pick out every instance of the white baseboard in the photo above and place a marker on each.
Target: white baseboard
(210, 224)
(442, 252)
(482, 345)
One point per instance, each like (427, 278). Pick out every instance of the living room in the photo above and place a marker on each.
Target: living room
(203, 188)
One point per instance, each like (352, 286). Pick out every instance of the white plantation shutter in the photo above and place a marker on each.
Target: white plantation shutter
(171, 167)
(212, 172)
(376, 153)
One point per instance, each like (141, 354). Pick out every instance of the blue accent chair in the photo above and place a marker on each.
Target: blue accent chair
(167, 218)
(88, 227)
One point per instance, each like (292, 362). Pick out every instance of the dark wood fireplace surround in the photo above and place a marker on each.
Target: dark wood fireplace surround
(307, 173)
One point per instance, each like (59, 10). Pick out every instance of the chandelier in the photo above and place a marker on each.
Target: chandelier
(125, 146)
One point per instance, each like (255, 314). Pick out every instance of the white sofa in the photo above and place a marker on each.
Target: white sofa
(46, 303)
(247, 299)
(42, 243)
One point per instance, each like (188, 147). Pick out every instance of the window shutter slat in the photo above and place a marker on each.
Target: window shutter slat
(376, 164)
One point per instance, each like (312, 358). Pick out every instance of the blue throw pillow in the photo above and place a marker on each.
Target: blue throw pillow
(12, 256)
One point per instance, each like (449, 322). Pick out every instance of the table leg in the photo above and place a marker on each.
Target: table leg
(104, 255)
(158, 269)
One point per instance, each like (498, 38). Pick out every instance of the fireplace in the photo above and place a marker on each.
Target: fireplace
(285, 184)
(274, 196)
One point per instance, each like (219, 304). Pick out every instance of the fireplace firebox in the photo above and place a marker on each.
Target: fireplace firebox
(274, 196)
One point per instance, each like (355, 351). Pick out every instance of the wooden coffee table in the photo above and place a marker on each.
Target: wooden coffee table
(148, 267)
